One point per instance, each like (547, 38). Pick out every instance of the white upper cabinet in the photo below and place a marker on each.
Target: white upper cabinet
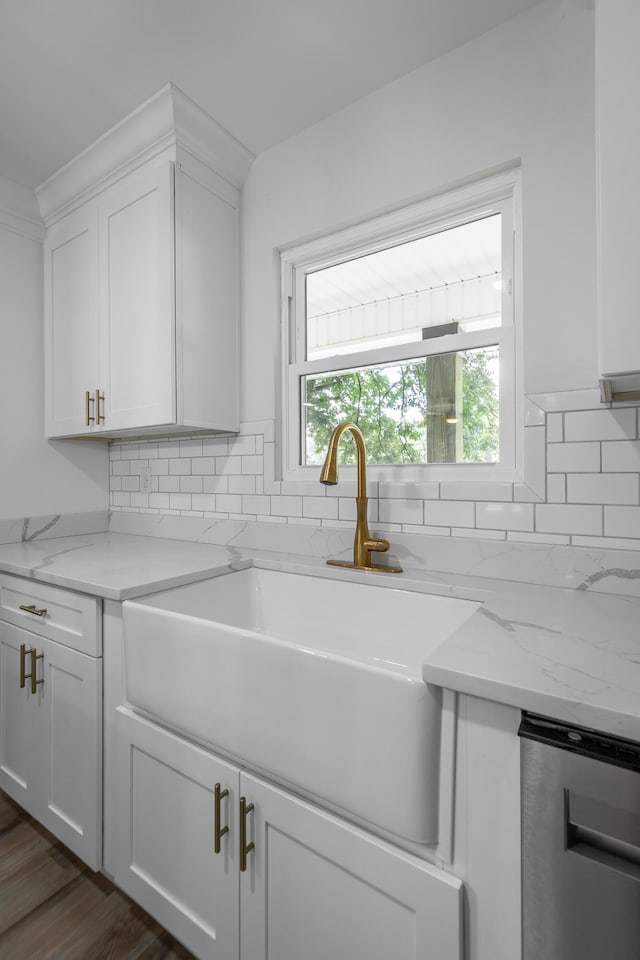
(72, 340)
(141, 278)
(618, 162)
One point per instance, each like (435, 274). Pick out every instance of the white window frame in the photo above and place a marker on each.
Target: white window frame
(497, 194)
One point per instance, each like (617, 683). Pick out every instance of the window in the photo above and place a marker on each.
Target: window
(405, 325)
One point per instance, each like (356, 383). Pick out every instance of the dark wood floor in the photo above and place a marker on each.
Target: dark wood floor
(52, 907)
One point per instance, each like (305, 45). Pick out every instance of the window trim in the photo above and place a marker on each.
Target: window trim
(498, 193)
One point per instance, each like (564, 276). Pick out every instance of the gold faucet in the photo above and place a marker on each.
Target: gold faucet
(364, 544)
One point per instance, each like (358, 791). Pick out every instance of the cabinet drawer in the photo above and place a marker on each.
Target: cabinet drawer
(69, 618)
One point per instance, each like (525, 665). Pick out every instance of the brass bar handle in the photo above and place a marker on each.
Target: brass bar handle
(31, 608)
(99, 400)
(245, 848)
(219, 831)
(34, 669)
(88, 400)
(23, 666)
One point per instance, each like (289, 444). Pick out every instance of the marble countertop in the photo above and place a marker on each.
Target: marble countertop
(564, 653)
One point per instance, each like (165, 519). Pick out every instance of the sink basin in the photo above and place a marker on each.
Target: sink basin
(315, 681)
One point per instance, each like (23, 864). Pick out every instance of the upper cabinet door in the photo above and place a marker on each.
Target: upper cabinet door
(136, 257)
(72, 342)
(618, 158)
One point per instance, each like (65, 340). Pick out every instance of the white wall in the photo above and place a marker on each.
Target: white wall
(37, 477)
(524, 91)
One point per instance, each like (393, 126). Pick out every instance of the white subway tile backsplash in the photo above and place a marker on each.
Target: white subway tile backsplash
(203, 465)
(556, 488)
(241, 446)
(505, 516)
(600, 425)
(257, 505)
(602, 488)
(215, 484)
(191, 448)
(228, 503)
(605, 543)
(582, 484)
(180, 466)
(449, 513)
(252, 464)
(573, 457)
(555, 427)
(227, 465)
(189, 484)
(215, 447)
(129, 451)
(622, 521)
(180, 501)
(169, 484)
(568, 518)
(424, 530)
(520, 536)
(534, 447)
(401, 511)
(324, 508)
(286, 506)
(466, 490)
(621, 455)
(478, 534)
(429, 490)
(242, 484)
(347, 509)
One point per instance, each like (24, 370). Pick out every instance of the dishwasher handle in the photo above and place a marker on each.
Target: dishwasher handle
(602, 833)
(608, 851)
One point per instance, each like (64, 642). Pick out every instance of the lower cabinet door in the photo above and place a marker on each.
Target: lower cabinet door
(316, 888)
(165, 851)
(69, 747)
(18, 721)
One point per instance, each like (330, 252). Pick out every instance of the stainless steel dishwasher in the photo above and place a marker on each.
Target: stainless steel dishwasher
(580, 843)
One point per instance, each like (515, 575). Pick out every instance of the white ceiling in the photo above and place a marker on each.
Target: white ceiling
(264, 69)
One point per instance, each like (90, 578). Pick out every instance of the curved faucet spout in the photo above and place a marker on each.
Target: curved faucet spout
(363, 544)
(329, 474)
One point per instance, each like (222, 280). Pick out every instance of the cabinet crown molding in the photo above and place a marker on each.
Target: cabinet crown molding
(168, 119)
(19, 210)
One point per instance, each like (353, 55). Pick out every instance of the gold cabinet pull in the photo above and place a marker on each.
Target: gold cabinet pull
(219, 831)
(23, 665)
(31, 608)
(34, 666)
(245, 848)
(99, 410)
(24, 676)
(88, 400)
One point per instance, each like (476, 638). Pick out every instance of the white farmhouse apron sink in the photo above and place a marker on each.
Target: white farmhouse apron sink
(312, 680)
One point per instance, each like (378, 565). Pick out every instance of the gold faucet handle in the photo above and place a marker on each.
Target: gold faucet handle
(379, 545)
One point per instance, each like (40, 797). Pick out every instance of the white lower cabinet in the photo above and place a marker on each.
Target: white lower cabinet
(238, 868)
(50, 713)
